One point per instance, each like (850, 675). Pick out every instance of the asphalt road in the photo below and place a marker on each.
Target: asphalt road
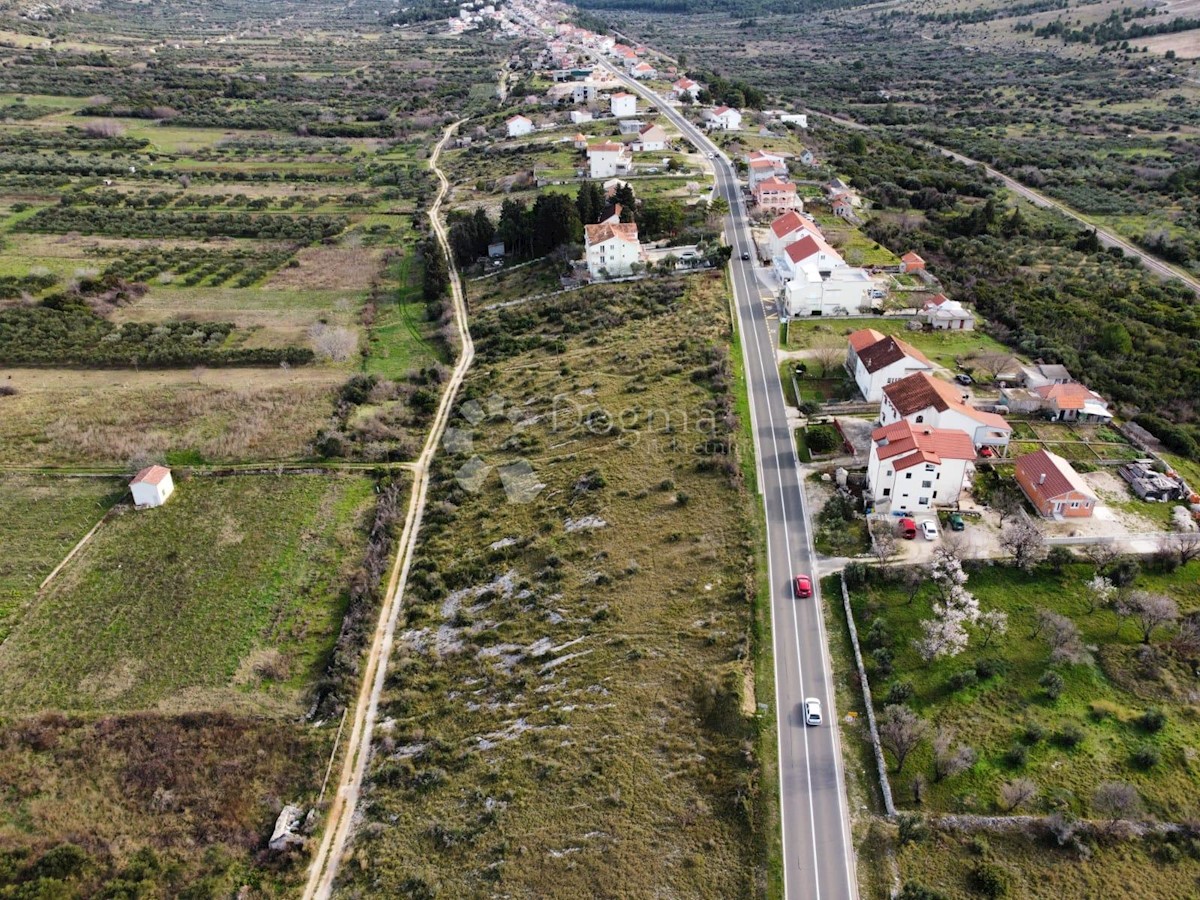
(818, 852)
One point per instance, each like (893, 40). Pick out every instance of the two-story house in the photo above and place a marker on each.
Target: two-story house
(924, 400)
(607, 159)
(917, 467)
(724, 118)
(874, 360)
(651, 139)
(623, 104)
(611, 250)
(787, 229)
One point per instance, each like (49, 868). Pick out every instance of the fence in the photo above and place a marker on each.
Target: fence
(885, 786)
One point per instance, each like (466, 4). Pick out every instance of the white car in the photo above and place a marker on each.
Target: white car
(812, 711)
(712, 156)
(929, 530)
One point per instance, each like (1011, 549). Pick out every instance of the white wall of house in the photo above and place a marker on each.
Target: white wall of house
(606, 164)
(623, 105)
(147, 494)
(519, 127)
(871, 384)
(920, 486)
(981, 433)
(614, 257)
(845, 292)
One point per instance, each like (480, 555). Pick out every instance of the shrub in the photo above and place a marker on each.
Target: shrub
(899, 692)
(1146, 756)
(1100, 710)
(1034, 732)
(1070, 735)
(987, 668)
(989, 879)
(1017, 755)
(883, 662)
(964, 679)
(1153, 719)
(1052, 684)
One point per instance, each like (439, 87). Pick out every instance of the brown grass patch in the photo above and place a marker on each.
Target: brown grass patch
(329, 268)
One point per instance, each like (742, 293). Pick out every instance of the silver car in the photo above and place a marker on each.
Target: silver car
(812, 711)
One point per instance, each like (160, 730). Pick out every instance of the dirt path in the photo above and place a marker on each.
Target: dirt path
(324, 867)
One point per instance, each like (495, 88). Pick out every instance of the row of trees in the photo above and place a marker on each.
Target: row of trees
(174, 223)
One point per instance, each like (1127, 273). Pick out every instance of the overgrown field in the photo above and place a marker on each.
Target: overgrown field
(229, 596)
(569, 707)
(1073, 696)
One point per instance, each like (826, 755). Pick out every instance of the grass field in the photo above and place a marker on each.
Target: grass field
(570, 701)
(41, 519)
(399, 340)
(69, 417)
(230, 595)
(1102, 699)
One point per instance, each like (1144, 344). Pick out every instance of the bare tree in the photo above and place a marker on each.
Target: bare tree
(104, 128)
(913, 578)
(1024, 541)
(829, 355)
(1101, 556)
(953, 545)
(1063, 637)
(1116, 801)
(883, 544)
(901, 731)
(1006, 501)
(1149, 611)
(1016, 793)
(1184, 544)
(949, 759)
(989, 625)
(986, 366)
(335, 343)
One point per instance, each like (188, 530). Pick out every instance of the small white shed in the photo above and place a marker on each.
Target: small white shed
(151, 487)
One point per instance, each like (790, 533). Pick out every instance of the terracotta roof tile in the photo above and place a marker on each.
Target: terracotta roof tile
(1060, 477)
(915, 444)
(919, 391)
(151, 475)
(864, 338)
(598, 234)
(887, 351)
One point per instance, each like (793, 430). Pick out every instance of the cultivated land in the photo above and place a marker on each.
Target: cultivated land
(570, 701)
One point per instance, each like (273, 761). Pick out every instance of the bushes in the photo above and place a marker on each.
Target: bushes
(1152, 720)
(1146, 756)
(990, 880)
(173, 223)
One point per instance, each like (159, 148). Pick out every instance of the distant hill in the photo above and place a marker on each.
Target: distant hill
(737, 7)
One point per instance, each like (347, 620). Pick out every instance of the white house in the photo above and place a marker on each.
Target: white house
(916, 467)
(579, 116)
(810, 252)
(800, 119)
(651, 139)
(519, 126)
(643, 71)
(686, 86)
(843, 291)
(623, 104)
(875, 360)
(773, 195)
(611, 250)
(151, 487)
(943, 314)
(608, 159)
(921, 399)
(787, 229)
(724, 118)
(580, 141)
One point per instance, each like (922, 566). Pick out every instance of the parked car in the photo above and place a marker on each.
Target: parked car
(812, 711)
(963, 378)
(906, 528)
(929, 530)
(803, 586)
(956, 522)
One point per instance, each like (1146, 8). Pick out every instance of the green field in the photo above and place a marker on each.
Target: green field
(1102, 699)
(945, 348)
(41, 519)
(230, 594)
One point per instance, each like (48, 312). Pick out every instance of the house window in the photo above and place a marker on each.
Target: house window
(1074, 504)
(920, 419)
(929, 467)
(923, 501)
(926, 484)
(887, 492)
(908, 474)
(935, 495)
(889, 473)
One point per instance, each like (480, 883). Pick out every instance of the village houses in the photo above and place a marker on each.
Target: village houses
(773, 195)
(151, 487)
(943, 314)
(686, 86)
(607, 159)
(519, 126)
(923, 399)
(723, 118)
(651, 139)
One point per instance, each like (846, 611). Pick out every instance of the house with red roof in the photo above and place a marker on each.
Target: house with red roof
(643, 71)
(151, 487)
(1055, 489)
(874, 360)
(812, 251)
(607, 159)
(917, 467)
(623, 105)
(773, 195)
(923, 399)
(724, 118)
(910, 263)
(611, 250)
(943, 314)
(787, 229)
(519, 126)
(686, 86)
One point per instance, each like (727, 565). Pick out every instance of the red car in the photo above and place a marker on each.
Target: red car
(803, 586)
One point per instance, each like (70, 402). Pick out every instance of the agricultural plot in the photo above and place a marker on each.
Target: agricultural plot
(230, 596)
(1072, 697)
(571, 674)
(946, 348)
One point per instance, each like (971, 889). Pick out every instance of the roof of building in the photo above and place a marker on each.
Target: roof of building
(684, 84)
(762, 164)
(774, 184)
(151, 475)
(519, 118)
(643, 67)
(1060, 478)
(598, 234)
(721, 110)
(620, 95)
(808, 246)
(887, 351)
(755, 155)
(606, 147)
(919, 391)
(791, 221)
(911, 257)
(613, 209)
(652, 128)
(1052, 371)
(1068, 396)
(864, 338)
(910, 444)
(579, 138)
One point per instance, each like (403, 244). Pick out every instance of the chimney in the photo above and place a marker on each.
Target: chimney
(1042, 478)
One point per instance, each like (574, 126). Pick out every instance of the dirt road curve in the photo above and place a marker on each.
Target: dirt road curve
(324, 867)
(1037, 198)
